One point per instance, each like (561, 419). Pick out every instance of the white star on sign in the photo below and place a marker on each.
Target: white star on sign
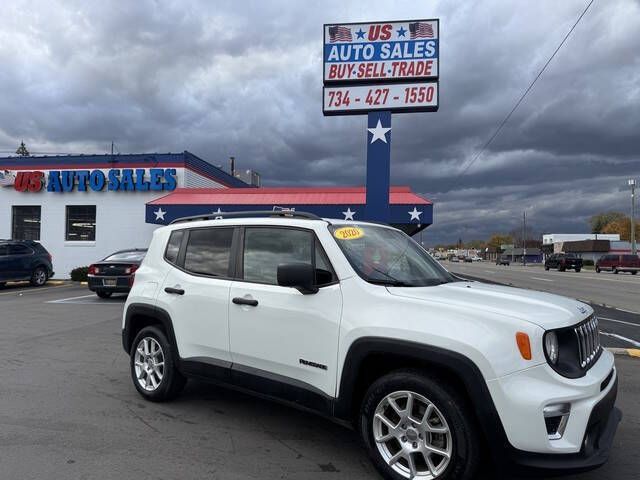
(415, 214)
(348, 215)
(219, 217)
(379, 133)
(159, 214)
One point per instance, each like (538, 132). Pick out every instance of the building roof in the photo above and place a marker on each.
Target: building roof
(406, 209)
(586, 246)
(285, 196)
(129, 160)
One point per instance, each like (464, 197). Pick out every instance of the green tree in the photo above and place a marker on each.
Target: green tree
(22, 150)
(599, 221)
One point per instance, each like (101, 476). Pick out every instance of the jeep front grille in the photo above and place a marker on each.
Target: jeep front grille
(588, 337)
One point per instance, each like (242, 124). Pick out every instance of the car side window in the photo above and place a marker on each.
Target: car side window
(19, 250)
(173, 246)
(266, 248)
(208, 251)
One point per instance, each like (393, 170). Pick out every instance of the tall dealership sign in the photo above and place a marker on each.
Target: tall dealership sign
(378, 69)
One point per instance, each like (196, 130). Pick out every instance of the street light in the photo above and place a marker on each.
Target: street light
(632, 185)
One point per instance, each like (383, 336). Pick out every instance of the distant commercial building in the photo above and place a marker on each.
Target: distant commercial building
(551, 238)
(533, 255)
(594, 249)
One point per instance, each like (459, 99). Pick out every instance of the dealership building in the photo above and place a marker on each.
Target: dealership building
(84, 207)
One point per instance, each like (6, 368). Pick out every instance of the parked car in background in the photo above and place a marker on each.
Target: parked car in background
(563, 261)
(476, 258)
(619, 263)
(24, 260)
(503, 260)
(115, 273)
(455, 259)
(468, 259)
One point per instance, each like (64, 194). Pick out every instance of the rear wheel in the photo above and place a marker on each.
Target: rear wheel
(104, 294)
(415, 426)
(38, 277)
(578, 269)
(546, 267)
(153, 366)
(615, 270)
(597, 269)
(561, 269)
(634, 272)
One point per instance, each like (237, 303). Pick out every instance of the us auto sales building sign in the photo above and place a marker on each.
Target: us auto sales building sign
(383, 54)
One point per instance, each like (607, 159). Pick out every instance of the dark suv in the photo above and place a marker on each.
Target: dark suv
(24, 260)
(563, 261)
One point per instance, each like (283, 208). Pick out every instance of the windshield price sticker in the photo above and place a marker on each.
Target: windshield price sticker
(383, 51)
(394, 97)
(348, 233)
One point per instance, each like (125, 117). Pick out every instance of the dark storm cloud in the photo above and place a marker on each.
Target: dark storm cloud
(244, 79)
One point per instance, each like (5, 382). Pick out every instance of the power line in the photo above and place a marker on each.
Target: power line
(506, 119)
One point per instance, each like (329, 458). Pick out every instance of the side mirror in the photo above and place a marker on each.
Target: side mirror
(301, 276)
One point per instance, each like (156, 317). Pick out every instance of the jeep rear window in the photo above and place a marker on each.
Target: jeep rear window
(389, 257)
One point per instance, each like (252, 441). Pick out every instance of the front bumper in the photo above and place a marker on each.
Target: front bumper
(520, 399)
(601, 429)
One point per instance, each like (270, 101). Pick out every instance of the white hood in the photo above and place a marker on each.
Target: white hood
(543, 309)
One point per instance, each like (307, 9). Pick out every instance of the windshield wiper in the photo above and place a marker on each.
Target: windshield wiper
(390, 283)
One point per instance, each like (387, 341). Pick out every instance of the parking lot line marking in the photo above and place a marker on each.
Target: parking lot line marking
(619, 321)
(628, 311)
(542, 279)
(34, 290)
(62, 300)
(620, 337)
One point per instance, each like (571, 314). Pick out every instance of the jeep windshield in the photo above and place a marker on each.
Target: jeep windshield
(385, 256)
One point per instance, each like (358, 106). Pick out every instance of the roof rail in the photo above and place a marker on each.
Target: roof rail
(256, 213)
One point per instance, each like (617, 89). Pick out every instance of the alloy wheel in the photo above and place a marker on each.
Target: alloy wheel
(40, 277)
(149, 364)
(412, 435)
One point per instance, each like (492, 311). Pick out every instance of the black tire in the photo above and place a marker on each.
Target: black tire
(172, 381)
(578, 270)
(561, 269)
(3, 284)
(465, 456)
(39, 277)
(597, 269)
(546, 267)
(634, 272)
(104, 294)
(615, 270)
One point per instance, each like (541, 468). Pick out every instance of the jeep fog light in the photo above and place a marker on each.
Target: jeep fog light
(555, 419)
(551, 347)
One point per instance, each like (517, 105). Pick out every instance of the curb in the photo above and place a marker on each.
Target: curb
(627, 352)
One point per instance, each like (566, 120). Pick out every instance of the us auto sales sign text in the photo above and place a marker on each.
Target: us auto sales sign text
(381, 52)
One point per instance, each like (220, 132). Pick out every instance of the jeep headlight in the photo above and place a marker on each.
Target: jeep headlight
(551, 347)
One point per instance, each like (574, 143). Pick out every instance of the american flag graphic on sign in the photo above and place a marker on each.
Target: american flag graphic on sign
(420, 30)
(340, 34)
(7, 178)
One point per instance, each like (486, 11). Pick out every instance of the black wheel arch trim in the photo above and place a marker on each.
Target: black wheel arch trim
(149, 311)
(467, 371)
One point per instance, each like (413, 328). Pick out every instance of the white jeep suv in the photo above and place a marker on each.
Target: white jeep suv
(356, 321)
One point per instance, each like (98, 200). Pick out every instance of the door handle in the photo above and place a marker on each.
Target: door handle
(245, 301)
(177, 291)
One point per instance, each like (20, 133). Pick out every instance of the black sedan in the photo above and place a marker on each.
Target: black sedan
(115, 273)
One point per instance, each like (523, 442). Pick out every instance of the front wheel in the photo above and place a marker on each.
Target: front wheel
(415, 426)
(38, 277)
(578, 269)
(546, 267)
(153, 366)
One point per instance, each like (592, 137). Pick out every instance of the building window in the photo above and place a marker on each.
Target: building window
(81, 223)
(26, 222)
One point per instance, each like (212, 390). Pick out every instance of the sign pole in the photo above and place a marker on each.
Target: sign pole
(378, 166)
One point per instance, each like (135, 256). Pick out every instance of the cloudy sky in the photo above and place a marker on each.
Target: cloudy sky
(244, 78)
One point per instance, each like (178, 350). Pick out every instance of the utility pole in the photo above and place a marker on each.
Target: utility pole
(632, 184)
(524, 238)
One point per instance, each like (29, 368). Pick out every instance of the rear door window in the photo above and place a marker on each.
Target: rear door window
(208, 251)
(19, 250)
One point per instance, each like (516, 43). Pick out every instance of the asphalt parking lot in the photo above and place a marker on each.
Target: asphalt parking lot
(68, 410)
